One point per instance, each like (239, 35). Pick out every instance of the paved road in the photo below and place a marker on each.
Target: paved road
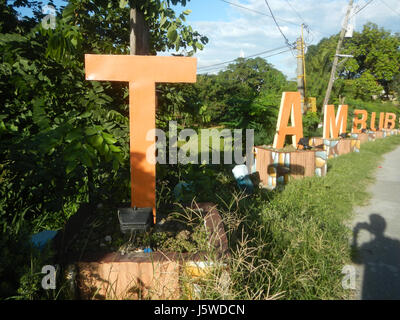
(376, 228)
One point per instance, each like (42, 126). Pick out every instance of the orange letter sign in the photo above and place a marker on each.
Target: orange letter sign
(142, 73)
(362, 121)
(333, 126)
(373, 117)
(390, 118)
(290, 109)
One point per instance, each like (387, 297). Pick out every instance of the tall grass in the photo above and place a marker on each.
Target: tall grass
(284, 244)
(293, 244)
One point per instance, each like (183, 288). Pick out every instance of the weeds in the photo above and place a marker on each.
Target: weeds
(288, 244)
(294, 245)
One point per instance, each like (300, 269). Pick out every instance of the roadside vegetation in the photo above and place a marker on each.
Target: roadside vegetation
(293, 243)
(64, 145)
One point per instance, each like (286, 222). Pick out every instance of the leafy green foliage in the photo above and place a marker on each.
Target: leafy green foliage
(105, 25)
(255, 89)
(203, 183)
(15, 251)
(51, 116)
(395, 85)
(310, 124)
(376, 51)
(246, 95)
(374, 68)
(318, 61)
(366, 86)
(64, 138)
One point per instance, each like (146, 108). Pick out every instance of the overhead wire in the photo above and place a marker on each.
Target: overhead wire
(264, 57)
(277, 18)
(212, 67)
(275, 54)
(295, 11)
(362, 8)
(267, 15)
(291, 46)
(251, 56)
(277, 25)
(257, 11)
(307, 41)
(395, 11)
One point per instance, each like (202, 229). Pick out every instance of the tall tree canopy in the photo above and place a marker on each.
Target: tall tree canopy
(374, 68)
(245, 95)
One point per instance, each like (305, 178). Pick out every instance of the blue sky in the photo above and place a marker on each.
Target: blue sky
(235, 31)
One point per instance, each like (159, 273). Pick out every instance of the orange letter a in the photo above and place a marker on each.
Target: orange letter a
(290, 110)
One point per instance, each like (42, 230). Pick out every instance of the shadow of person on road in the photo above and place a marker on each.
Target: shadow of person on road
(381, 260)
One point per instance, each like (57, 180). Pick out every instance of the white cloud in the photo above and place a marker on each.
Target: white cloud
(254, 33)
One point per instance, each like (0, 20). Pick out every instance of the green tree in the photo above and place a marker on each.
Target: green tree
(245, 95)
(256, 91)
(366, 86)
(64, 140)
(375, 64)
(318, 61)
(377, 52)
(395, 86)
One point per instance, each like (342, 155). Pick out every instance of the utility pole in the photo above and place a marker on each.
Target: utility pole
(336, 59)
(301, 75)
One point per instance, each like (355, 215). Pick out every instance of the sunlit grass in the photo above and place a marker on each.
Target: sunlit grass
(298, 237)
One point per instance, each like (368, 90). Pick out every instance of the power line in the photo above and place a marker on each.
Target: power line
(362, 8)
(275, 54)
(251, 56)
(311, 34)
(395, 11)
(256, 11)
(266, 15)
(305, 25)
(265, 57)
(279, 28)
(297, 13)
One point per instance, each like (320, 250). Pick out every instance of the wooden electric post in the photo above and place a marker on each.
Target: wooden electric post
(336, 59)
(301, 74)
